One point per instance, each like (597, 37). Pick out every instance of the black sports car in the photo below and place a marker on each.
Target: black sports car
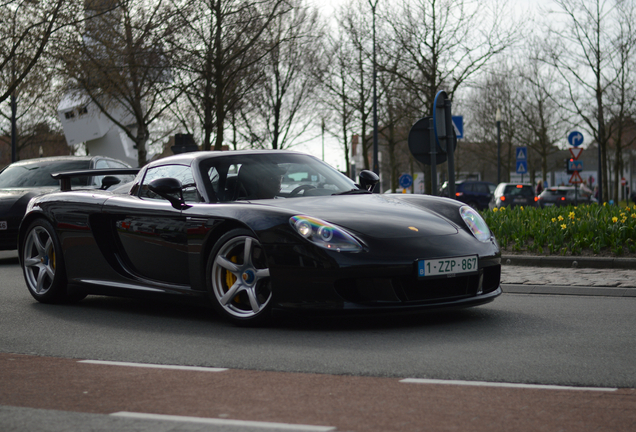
(256, 231)
(21, 181)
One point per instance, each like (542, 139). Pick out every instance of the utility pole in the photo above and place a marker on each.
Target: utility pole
(14, 129)
(376, 165)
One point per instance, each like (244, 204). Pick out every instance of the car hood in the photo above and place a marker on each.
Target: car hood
(9, 196)
(14, 193)
(374, 215)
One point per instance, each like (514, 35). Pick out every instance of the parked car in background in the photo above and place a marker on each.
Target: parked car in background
(21, 181)
(476, 194)
(512, 195)
(561, 196)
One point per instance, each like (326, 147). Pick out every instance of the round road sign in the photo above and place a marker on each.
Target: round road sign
(575, 138)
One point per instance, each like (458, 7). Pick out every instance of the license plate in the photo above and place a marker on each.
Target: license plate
(3, 225)
(520, 200)
(447, 266)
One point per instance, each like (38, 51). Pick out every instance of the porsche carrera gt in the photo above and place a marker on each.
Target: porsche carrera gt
(255, 232)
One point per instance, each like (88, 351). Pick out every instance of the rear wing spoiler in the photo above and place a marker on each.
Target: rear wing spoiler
(66, 176)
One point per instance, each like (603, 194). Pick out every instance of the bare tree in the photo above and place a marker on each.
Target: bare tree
(120, 64)
(334, 93)
(444, 43)
(281, 107)
(498, 90)
(225, 43)
(623, 94)
(26, 30)
(394, 108)
(35, 100)
(353, 26)
(584, 53)
(542, 122)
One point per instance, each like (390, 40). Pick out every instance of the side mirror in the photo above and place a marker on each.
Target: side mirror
(368, 180)
(109, 181)
(167, 188)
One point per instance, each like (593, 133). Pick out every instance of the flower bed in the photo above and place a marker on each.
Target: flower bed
(607, 230)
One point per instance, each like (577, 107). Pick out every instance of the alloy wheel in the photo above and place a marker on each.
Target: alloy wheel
(240, 278)
(39, 260)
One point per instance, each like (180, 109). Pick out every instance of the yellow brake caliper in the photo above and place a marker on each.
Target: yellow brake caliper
(230, 279)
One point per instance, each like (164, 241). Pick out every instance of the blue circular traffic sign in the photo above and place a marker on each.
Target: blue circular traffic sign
(406, 181)
(575, 138)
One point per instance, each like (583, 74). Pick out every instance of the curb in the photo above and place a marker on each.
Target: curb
(569, 262)
(568, 290)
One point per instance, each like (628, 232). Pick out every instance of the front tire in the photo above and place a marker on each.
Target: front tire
(43, 264)
(238, 279)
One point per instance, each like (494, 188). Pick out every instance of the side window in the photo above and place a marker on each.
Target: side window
(482, 188)
(100, 164)
(180, 172)
(214, 179)
(224, 183)
(124, 178)
(469, 187)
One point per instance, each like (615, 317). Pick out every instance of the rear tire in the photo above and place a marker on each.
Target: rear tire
(237, 278)
(43, 264)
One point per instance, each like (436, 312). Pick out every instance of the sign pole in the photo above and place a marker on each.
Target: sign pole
(433, 158)
(576, 194)
(450, 147)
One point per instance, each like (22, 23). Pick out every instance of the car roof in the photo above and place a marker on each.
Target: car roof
(188, 158)
(52, 159)
(511, 183)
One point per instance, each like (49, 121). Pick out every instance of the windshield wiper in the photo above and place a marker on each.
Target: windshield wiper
(353, 192)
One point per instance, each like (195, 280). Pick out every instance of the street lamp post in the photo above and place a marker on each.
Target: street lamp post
(14, 129)
(323, 139)
(376, 166)
(498, 120)
(599, 173)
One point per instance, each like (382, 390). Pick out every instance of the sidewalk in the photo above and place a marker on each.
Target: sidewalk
(614, 277)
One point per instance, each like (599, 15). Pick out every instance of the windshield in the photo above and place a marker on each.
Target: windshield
(266, 176)
(519, 190)
(38, 174)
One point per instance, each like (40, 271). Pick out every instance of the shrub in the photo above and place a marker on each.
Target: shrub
(596, 229)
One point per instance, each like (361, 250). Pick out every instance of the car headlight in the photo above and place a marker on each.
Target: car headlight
(475, 223)
(324, 234)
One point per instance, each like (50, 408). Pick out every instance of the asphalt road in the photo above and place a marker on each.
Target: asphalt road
(520, 338)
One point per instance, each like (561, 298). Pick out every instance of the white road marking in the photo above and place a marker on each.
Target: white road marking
(505, 385)
(155, 366)
(224, 422)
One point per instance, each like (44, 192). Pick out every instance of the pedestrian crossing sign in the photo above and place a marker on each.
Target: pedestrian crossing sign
(522, 167)
(522, 154)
